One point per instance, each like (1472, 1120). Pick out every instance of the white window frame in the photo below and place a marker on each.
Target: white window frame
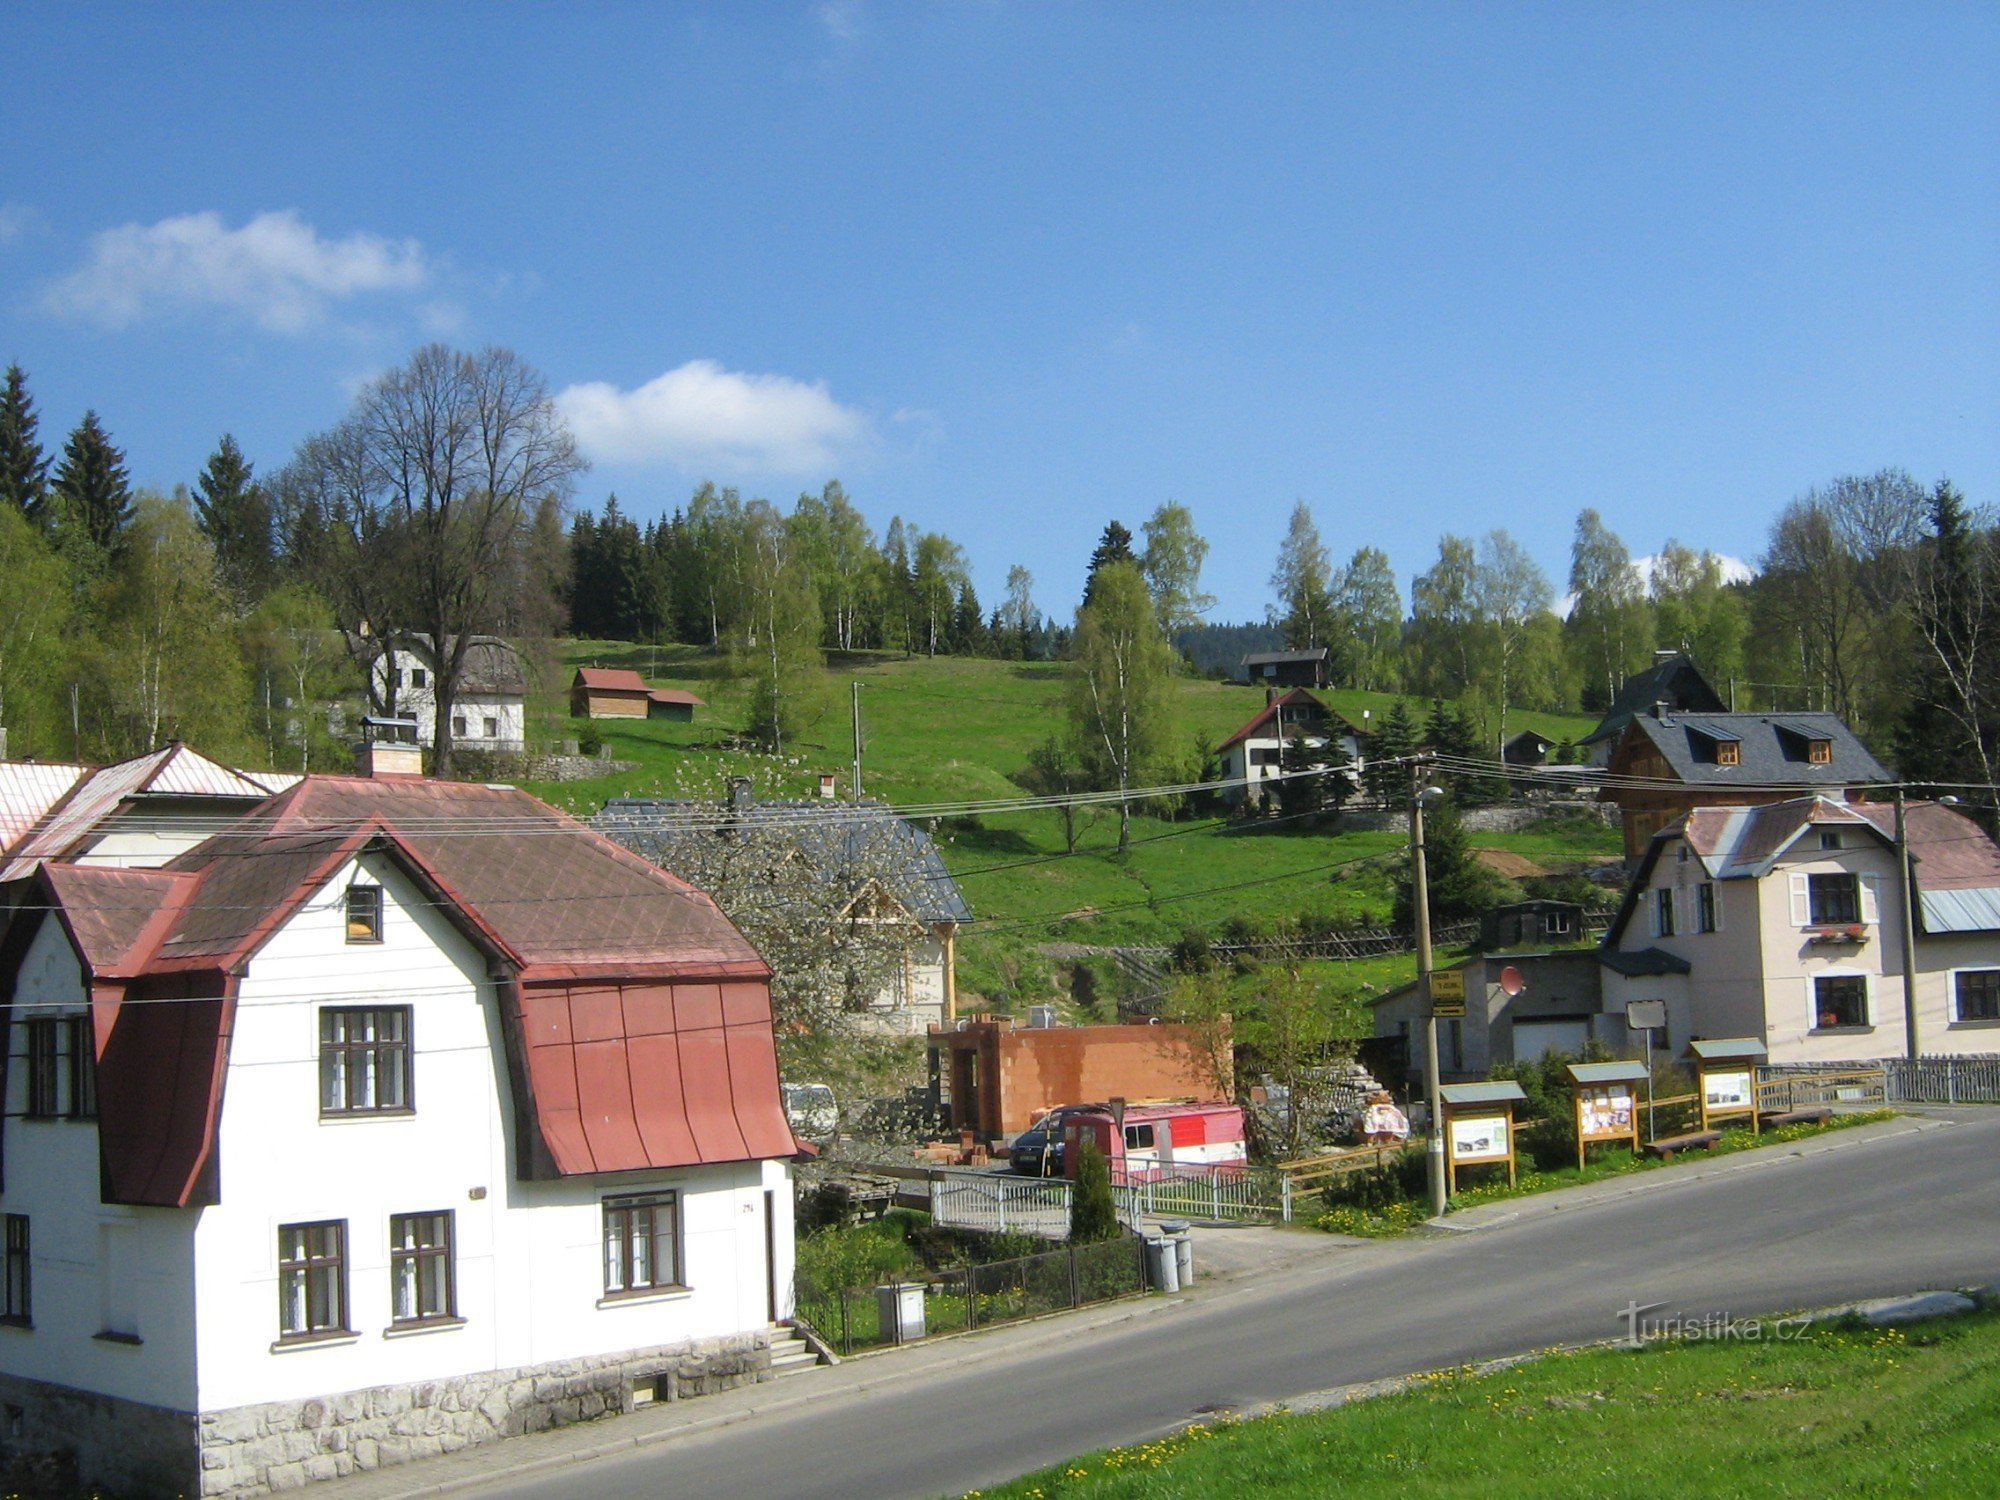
(1868, 1020)
(1951, 994)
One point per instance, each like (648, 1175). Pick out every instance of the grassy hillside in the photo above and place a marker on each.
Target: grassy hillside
(953, 730)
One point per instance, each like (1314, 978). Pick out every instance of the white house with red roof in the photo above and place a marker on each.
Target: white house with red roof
(1783, 922)
(1254, 754)
(393, 1116)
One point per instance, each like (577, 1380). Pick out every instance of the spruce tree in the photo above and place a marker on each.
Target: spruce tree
(24, 468)
(1387, 774)
(1115, 546)
(91, 488)
(234, 513)
(1093, 1210)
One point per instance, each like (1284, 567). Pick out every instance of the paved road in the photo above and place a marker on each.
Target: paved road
(1882, 1215)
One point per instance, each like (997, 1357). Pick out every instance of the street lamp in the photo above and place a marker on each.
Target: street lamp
(1906, 896)
(1420, 904)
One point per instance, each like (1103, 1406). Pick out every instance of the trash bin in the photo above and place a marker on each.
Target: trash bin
(1162, 1265)
(900, 1307)
(1180, 1235)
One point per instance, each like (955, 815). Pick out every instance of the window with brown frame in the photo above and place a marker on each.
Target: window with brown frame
(1977, 992)
(312, 1279)
(642, 1250)
(364, 914)
(1728, 753)
(16, 1305)
(44, 1067)
(1834, 900)
(1820, 752)
(364, 1060)
(422, 1283)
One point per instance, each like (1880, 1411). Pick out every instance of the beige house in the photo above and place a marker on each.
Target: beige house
(1787, 920)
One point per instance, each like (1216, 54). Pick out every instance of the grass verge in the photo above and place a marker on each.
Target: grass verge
(1829, 1410)
(1404, 1214)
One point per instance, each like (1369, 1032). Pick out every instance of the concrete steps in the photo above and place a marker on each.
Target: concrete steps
(790, 1354)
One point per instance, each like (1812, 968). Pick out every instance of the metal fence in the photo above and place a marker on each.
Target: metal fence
(850, 1318)
(1944, 1080)
(1197, 1192)
(1000, 1204)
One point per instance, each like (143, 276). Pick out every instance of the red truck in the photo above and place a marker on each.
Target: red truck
(1147, 1142)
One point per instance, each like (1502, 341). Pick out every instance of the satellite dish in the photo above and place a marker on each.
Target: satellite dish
(1511, 980)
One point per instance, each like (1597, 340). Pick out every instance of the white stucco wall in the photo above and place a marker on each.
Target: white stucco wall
(420, 703)
(1755, 976)
(529, 1256)
(92, 1265)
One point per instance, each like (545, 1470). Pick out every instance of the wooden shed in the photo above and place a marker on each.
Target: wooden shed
(618, 693)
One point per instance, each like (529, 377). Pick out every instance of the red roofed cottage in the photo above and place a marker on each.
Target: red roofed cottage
(332, 1139)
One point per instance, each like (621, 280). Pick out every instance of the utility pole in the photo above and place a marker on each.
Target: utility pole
(1904, 879)
(857, 741)
(1420, 894)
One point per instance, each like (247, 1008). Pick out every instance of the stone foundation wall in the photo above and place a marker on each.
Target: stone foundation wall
(140, 1451)
(254, 1450)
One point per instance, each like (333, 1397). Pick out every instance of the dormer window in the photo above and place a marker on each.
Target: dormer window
(1728, 753)
(364, 914)
(1819, 752)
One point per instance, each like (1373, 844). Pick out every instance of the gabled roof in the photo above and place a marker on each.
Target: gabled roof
(642, 1018)
(1676, 681)
(1772, 749)
(610, 680)
(851, 845)
(1957, 866)
(28, 789)
(94, 797)
(1267, 716)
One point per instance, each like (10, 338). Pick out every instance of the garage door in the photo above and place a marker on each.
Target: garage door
(1536, 1036)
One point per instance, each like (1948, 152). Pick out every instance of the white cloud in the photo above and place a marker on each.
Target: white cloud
(702, 415)
(842, 19)
(16, 219)
(1734, 570)
(276, 270)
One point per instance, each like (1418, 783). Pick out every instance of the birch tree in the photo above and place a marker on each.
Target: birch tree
(1118, 689)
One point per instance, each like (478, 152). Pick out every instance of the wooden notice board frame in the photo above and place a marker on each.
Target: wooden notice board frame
(1479, 1126)
(1605, 1097)
(1726, 1078)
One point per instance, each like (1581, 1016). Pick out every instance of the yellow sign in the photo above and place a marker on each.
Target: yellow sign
(1448, 992)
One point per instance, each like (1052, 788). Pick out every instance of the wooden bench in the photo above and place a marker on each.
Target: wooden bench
(1817, 1114)
(1667, 1145)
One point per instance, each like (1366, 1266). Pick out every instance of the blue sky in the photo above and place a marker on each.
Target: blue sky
(1012, 270)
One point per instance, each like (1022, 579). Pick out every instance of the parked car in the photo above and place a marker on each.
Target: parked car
(1038, 1150)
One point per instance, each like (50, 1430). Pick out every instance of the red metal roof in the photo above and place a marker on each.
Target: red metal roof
(645, 1016)
(610, 679)
(674, 695)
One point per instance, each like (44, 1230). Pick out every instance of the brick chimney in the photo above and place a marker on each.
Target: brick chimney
(388, 749)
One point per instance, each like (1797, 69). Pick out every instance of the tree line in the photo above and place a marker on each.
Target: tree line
(442, 504)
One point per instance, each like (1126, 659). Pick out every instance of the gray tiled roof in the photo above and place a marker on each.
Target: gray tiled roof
(1771, 749)
(1675, 681)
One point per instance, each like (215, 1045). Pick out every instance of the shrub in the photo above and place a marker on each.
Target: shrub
(589, 740)
(1093, 1212)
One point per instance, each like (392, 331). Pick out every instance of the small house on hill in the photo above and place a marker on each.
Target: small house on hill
(488, 712)
(1309, 669)
(618, 693)
(876, 869)
(1254, 755)
(1528, 748)
(1672, 681)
